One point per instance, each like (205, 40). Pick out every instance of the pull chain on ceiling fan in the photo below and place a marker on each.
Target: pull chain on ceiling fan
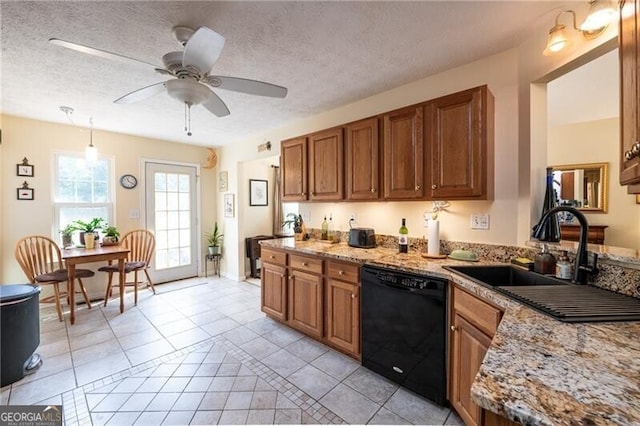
(192, 83)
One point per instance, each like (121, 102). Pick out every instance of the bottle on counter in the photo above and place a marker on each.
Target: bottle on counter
(551, 228)
(563, 266)
(544, 262)
(325, 229)
(331, 233)
(403, 237)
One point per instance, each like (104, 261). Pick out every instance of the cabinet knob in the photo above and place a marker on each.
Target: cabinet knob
(302, 193)
(281, 276)
(454, 328)
(353, 296)
(340, 272)
(373, 190)
(313, 193)
(434, 186)
(417, 187)
(304, 263)
(272, 257)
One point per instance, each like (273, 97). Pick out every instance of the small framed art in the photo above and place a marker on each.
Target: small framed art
(25, 193)
(223, 182)
(258, 195)
(24, 169)
(228, 205)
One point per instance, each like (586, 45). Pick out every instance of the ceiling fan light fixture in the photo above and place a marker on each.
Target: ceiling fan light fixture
(91, 152)
(187, 91)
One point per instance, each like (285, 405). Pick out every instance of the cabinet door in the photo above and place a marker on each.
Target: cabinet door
(293, 157)
(326, 165)
(459, 158)
(468, 347)
(305, 303)
(403, 154)
(274, 291)
(343, 315)
(362, 165)
(629, 49)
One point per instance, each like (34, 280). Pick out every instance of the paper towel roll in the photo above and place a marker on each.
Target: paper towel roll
(433, 237)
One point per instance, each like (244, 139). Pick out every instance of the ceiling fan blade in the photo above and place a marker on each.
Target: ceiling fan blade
(216, 105)
(243, 85)
(141, 94)
(203, 49)
(98, 52)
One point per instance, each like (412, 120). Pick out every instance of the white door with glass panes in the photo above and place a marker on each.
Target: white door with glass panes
(171, 215)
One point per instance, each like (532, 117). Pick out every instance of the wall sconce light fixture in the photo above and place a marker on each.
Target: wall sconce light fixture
(601, 12)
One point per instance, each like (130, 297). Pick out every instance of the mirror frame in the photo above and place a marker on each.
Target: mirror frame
(604, 178)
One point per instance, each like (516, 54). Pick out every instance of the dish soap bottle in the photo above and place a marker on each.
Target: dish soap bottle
(403, 237)
(544, 262)
(563, 266)
(325, 229)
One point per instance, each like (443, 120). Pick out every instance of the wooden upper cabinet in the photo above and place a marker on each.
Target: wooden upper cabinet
(629, 48)
(459, 132)
(403, 153)
(362, 162)
(326, 165)
(293, 160)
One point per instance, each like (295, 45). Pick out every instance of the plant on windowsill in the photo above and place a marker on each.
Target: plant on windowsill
(91, 226)
(214, 238)
(111, 235)
(67, 235)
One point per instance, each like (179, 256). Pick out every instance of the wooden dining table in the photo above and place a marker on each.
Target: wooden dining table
(78, 255)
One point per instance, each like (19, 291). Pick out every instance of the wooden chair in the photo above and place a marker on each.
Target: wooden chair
(41, 260)
(142, 245)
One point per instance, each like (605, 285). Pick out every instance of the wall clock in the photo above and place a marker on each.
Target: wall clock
(128, 181)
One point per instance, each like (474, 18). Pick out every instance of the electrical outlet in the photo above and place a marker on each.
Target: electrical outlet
(480, 221)
(352, 216)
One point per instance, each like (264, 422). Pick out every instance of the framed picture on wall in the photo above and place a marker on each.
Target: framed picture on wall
(223, 184)
(25, 193)
(258, 194)
(228, 205)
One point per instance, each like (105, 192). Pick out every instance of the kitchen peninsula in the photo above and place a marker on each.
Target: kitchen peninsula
(537, 371)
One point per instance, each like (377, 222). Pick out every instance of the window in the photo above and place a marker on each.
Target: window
(82, 191)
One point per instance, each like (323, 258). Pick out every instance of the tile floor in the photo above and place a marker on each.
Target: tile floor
(202, 352)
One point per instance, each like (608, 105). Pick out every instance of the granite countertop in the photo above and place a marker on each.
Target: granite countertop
(537, 371)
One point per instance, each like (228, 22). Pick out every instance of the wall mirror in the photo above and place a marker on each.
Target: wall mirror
(583, 186)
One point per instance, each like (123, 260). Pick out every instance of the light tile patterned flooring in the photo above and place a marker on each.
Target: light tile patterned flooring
(202, 352)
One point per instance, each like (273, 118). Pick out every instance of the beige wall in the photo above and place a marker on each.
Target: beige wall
(597, 142)
(38, 140)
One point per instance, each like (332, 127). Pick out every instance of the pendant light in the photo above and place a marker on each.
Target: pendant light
(91, 152)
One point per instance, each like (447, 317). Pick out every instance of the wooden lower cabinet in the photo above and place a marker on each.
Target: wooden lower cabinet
(342, 298)
(320, 298)
(305, 303)
(473, 324)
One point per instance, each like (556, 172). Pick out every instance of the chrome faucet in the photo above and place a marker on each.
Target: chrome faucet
(582, 267)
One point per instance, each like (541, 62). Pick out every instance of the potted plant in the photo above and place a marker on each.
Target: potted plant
(111, 235)
(91, 226)
(214, 238)
(67, 235)
(295, 221)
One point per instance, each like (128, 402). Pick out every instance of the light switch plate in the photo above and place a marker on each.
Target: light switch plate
(480, 221)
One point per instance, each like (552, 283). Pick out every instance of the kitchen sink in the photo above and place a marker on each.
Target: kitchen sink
(504, 275)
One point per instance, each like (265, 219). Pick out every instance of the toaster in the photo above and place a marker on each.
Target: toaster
(362, 237)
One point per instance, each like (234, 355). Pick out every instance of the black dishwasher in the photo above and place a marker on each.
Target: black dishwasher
(403, 329)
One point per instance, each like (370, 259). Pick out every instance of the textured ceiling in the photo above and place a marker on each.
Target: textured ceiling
(326, 53)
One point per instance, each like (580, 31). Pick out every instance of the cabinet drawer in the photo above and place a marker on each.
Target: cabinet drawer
(349, 272)
(481, 314)
(273, 256)
(304, 263)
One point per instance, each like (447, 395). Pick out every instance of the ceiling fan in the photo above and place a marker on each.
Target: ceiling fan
(191, 68)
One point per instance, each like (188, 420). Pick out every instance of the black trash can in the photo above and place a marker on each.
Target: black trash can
(19, 331)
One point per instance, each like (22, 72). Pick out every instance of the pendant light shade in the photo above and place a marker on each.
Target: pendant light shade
(557, 40)
(601, 13)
